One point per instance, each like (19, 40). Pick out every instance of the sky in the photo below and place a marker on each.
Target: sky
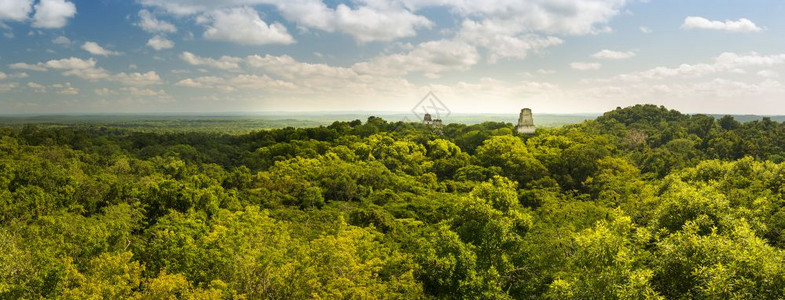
(492, 56)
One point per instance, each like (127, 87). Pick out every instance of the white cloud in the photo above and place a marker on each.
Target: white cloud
(15, 10)
(3, 76)
(503, 41)
(561, 17)
(732, 60)
(368, 25)
(95, 49)
(88, 70)
(223, 63)
(645, 29)
(5, 87)
(37, 87)
(136, 78)
(160, 43)
(148, 22)
(103, 92)
(85, 69)
(192, 83)
(367, 22)
(610, 54)
(61, 40)
(189, 7)
(243, 26)
(53, 13)
(134, 92)
(286, 76)
(768, 74)
(506, 28)
(429, 58)
(287, 67)
(69, 63)
(66, 89)
(26, 66)
(140, 92)
(585, 66)
(231, 84)
(725, 62)
(741, 25)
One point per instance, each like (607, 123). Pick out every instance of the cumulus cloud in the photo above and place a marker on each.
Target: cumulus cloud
(189, 7)
(26, 66)
(69, 63)
(223, 63)
(15, 10)
(5, 87)
(229, 84)
(768, 74)
(740, 25)
(366, 21)
(726, 62)
(37, 87)
(585, 66)
(285, 66)
(159, 42)
(373, 21)
(731, 60)
(66, 89)
(95, 49)
(136, 78)
(88, 69)
(243, 26)
(610, 54)
(562, 17)
(503, 41)
(142, 92)
(148, 22)
(287, 76)
(85, 69)
(429, 58)
(53, 13)
(3, 76)
(61, 40)
(506, 29)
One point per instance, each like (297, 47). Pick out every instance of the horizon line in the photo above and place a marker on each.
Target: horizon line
(284, 113)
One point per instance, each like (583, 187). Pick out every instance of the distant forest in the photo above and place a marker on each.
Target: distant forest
(640, 203)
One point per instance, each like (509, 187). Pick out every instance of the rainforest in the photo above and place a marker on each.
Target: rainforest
(642, 202)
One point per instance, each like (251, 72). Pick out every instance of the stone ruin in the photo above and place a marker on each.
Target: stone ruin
(525, 122)
(428, 121)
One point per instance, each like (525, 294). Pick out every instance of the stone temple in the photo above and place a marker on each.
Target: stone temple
(427, 120)
(525, 122)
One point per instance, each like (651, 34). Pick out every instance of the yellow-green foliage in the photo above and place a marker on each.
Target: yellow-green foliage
(641, 203)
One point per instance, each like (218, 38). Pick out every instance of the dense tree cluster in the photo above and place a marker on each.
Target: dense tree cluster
(641, 203)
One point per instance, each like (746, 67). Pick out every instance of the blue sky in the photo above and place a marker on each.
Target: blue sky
(557, 56)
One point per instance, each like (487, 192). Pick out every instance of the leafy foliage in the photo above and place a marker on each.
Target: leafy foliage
(641, 203)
